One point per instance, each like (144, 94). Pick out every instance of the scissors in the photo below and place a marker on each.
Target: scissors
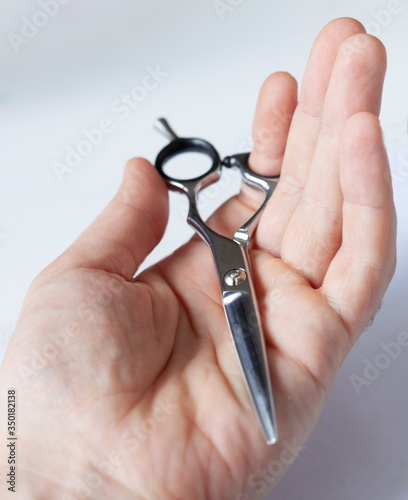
(231, 259)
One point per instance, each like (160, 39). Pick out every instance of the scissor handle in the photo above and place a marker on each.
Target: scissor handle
(187, 145)
(241, 160)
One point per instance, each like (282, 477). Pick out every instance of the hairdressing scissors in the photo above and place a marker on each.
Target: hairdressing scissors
(231, 259)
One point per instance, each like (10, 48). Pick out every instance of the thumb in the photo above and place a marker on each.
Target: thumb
(130, 226)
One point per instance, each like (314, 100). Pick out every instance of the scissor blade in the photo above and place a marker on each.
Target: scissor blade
(245, 327)
(239, 301)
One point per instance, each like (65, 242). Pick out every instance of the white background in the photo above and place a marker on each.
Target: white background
(64, 81)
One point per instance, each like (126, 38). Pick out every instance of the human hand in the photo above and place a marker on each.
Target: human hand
(129, 388)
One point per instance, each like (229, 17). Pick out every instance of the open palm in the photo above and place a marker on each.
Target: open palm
(130, 388)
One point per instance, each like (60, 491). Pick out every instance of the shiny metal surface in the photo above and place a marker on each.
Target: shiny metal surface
(231, 258)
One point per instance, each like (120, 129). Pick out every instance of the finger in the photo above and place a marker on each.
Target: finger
(304, 132)
(313, 234)
(273, 115)
(362, 268)
(128, 229)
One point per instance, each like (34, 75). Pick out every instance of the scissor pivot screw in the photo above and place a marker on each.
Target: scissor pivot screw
(235, 277)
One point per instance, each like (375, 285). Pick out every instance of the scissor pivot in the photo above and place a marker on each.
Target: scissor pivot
(235, 277)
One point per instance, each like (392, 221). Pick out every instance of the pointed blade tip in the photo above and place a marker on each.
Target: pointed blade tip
(271, 440)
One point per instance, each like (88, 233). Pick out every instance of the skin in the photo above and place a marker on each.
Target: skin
(130, 388)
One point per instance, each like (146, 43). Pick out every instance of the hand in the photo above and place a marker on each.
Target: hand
(130, 388)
